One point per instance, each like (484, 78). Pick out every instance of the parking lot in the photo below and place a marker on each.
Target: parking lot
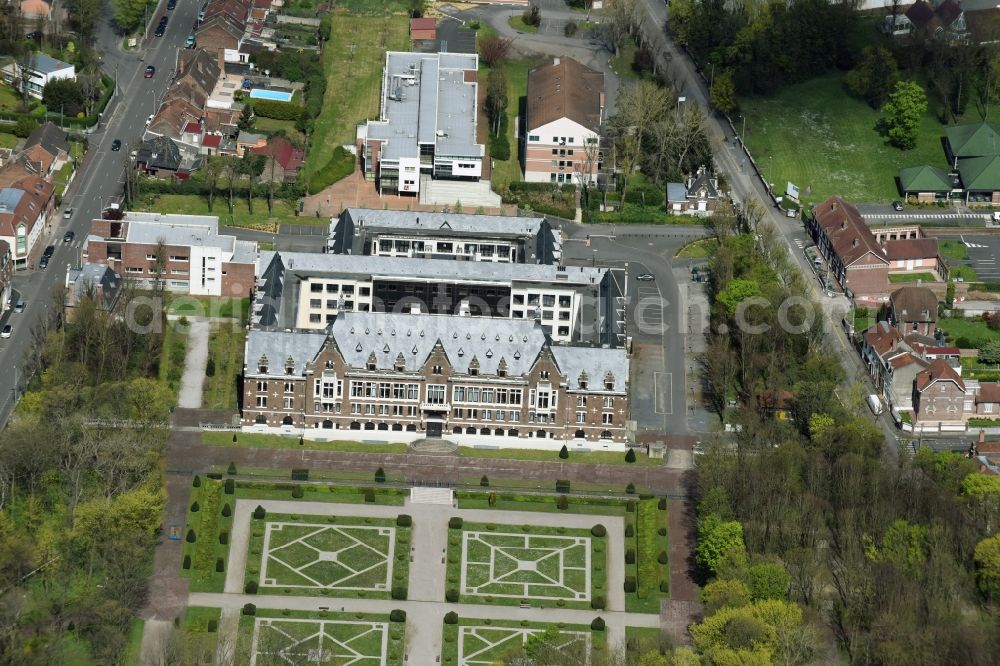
(983, 252)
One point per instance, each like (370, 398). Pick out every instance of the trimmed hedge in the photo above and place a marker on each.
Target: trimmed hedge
(597, 602)
(260, 512)
(451, 617)
(249, 609)
(398, 592)
(562, 486)
(455, 523)
(269, 108)
(397, 615)
(599, 530)
(451, 595)
(630, 584)
(597, 624)
(250, 587)
(340, 166)
(404, 520)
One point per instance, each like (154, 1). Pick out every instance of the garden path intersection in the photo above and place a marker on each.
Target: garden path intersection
(545, 564)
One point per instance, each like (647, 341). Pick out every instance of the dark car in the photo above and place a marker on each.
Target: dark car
(116, 145)
(43, 263)
(150, 70)
(68, 237)
(897, 206)
(160, 29)
(172, 4)
(49, 250)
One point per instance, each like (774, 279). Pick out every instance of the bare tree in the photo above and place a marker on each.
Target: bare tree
(211, 170)
(494, 50)
(231, 170)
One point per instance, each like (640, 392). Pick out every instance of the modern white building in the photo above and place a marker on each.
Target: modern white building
(40, 69)
(427, 124)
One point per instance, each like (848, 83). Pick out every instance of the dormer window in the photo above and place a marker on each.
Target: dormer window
(609, 382)
(329, 365)
(262, 364)
(474, 366)
(583, 379)
(502, 368)
(372, 363)
(289, 366)
(400, 364)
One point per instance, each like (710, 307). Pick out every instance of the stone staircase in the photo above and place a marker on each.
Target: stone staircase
(423, 495)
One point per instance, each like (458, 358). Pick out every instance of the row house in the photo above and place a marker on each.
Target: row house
(309, 290)
(46, 150)
(419, 235)
(471, 379)
(564, 111)
(26, 206)
(185, 252)
(941, 395)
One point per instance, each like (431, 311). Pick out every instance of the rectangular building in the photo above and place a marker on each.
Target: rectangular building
(199, 261)
(32, 75)
(427, 123)
(307, 291)
(395, 233)
(406, 376)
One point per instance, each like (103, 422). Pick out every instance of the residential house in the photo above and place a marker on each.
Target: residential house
(472, 379)
(36, 73)
(564, 111)
(45, 151)
(914, 309)
(219, 34)
(941, 395)
(702, 193)
(199, 260)
(943, 20)
(160, 157)
(420, 235)
(677, 201)
(862, 261)
(96, 281)
(427, 122)
(25, 209)
(423, 29)
(892, 363)
(35, 13)
(928, 184)
(6, 273)
(282, 160)
(198, 72)
(308, 291)
(249, 141)
(171, 119)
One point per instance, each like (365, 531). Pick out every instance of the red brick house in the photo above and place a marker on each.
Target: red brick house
(941, 395)
(914, 310)
(283, 160)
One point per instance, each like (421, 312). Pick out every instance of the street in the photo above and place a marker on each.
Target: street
(98, 180)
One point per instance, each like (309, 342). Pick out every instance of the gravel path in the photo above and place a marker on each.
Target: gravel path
(194, 364)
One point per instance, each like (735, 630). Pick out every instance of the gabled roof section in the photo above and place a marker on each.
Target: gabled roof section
(924, 179)
(980, 173)
(914, 304)
(974, 139)
(849, 236)
(564, 89)
(911, 248)
(278, 346)
(882, 337)
(50, 138)
(938, 371)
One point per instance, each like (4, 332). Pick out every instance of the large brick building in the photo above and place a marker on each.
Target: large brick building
(941, 395)
(860, 260)
(198, 260)
(400, 377)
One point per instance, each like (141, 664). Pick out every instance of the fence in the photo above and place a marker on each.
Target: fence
(298, 20)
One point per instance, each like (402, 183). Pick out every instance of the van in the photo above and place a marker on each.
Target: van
(875, 404)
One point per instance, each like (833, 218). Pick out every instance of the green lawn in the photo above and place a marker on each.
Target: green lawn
(172, 359)
(216, 307)
(134, 642)
(362, 547)
(706, 247)
(897, 278)
(286, 636)
(272, 126)
(206, 524)
(622, 63)
(953, 249)
(339, 494)
(647, 544)
(9, 99)
(590, 458)
(962, 272)
(491, 641)
(817, 136)
(8, 140)
(260, 440)
(225, 356)
(506, 172)
(62, 177)
(353, 86)
(194, 204)
(495, 570)
(517, 22)
(973, 331)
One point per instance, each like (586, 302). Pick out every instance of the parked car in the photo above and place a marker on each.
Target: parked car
(160, 29)
(116, 145)
(19, 307)
(150, 71)
(8, 330)
(172, 5)
(49, 250)
(190, 39)
(875, 404)
(645, 277)
(69, 236)
(43, 263)
(67, 213)
(897, 206)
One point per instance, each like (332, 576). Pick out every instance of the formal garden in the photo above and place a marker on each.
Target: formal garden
(475, 642)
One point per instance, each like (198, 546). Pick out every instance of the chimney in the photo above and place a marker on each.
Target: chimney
(833, 206)
(854, 243)
(555, 61)
(843, 225)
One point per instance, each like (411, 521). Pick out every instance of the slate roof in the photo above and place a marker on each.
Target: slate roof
(911, 248)
(938, 370)
(49, 137)
(457, 223)
(914, 304)
(925, 179)
(974, 139)
(980, 173)
(93, 276)
(159, 152)
(564, 89)
(988, 392)
(849, 236)
(597, 362)
(46, 64)
(278, 347)
(676, 192)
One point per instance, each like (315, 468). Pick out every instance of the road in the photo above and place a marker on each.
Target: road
(98, 180)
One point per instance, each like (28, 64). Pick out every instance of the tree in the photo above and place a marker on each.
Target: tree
(737, 291)
(494, 50)
(532, 16)
(564, 452)
(64, 96)
(874, 76)
(987, 559)
(231, 171)
(902, 113)
(211, 171)
(496, 98)
(128, 14)
(24, 126)
(630, 456)
(723, 95)
(768, 580)
(251, 166)
(949, 294)
(728, 593)
(246, 121)
(715, 538)
(990, 352)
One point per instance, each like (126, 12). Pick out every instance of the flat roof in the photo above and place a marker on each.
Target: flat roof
(427, 98)
(310, 263)
(439, 222)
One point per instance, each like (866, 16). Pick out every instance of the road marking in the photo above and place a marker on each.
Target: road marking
(669, 392)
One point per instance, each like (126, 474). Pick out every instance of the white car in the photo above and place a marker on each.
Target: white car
(68, 213)
(645, 277)
(7, 331)
(149, 119)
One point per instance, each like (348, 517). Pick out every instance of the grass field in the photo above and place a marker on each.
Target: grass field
(648, 544)
(517, 22)
(541, 566)
(209, 306)
(206, 523)
(255, 440)
(353, 83)
(8, 140)
(271, 126)
(225, 356)
(486, 643)
(974, 331)
(172, 359)
(193, 204)
(296, 637)
(963, 272)
(699, 249)
(323, 555)
(953, 249)
(585, 457)
(899, 278)
(817, 136)
(506, 172)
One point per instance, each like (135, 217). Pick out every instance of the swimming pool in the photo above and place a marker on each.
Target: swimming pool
(276, 95)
